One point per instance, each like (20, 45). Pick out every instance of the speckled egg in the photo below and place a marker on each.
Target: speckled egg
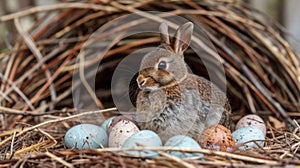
(116, 120)
(184, 142)
(246, 134)
(253, 121)
(84, 136)
(143, 138)
(120, 132)
(216, 137)
(106, 123)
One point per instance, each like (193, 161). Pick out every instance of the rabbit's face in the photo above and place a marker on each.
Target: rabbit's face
(161, 68)
(165, 65)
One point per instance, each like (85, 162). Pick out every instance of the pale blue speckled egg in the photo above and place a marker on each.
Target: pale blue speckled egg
(143, 138)
(85, 136)
(183, 142)
(246, 134)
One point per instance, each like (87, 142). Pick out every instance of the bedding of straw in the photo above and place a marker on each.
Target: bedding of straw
(36, 69)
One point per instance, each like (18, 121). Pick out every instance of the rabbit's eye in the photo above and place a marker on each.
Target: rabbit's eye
(162, 65)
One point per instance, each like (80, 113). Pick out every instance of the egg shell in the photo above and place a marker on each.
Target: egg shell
(116, 120)
(120, 132)
(106, 123)
(85, 136)
(216, 137)
(246, 134)
(143, 138)
(184, 142)
(253, 121)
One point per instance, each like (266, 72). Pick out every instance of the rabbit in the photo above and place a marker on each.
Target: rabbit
(172, 101)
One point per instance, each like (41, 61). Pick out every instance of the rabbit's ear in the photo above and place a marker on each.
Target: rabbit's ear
(182, 38)
(164, 35)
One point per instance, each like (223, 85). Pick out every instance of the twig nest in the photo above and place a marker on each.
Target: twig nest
(216, 137)
(143, 138)
(248, 137)
(184, 142)
(85, 136)
(252, 120)
(120, 132)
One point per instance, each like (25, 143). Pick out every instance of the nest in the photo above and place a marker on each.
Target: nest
(37, 108)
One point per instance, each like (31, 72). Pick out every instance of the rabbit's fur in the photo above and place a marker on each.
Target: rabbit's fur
(173, 101)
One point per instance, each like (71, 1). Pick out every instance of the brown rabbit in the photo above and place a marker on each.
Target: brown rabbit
(173, 101)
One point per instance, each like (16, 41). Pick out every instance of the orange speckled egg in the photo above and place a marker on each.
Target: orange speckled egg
(216, 137)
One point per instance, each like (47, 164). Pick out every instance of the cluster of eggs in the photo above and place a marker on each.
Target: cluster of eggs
(250, 132)
(119, 132)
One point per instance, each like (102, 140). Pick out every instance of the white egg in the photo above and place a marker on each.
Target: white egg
(183, 142)
(120, 132)
(245, 136)
(144, 138)
(84, 136)
(106, 123)
(252, 120)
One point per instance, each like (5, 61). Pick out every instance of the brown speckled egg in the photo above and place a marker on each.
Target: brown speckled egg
(120, 132)
(116, 120)
(216, 137)
(252, 120)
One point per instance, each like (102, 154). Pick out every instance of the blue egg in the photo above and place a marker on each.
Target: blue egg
(183, 142)
(106, 123)
(144, 138)
(246, 134)
(85, 136)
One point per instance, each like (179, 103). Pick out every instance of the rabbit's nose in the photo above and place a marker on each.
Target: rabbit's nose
(142, 82)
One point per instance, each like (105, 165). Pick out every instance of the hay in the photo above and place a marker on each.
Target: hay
(36, 82)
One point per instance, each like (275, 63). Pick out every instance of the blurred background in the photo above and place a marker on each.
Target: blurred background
(285, 12)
